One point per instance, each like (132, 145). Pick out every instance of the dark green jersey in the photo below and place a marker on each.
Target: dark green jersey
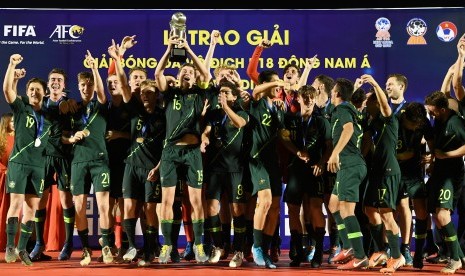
(342, 114)
(449, 135)
(325, 111)
(384, 132)
(310, 134)
(224, 150)
(93, 118)
(32, 129)
(119, 120)
(54, 146)
(409, 140)
(266, 120)
(183, 111)
(147, 134)
(398, 109)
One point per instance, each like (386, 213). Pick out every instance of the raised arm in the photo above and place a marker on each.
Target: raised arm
(214, 36)
(384, 106)
(262, 88)
(458, 73)
(308, 67)
(204, 76)
(252, 67)
(9, 87)
(114, 52)
(161, 66)
(446, 83)
(127, 43)
(99, 88)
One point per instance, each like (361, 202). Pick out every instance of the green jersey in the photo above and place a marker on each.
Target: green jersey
(342, 114)
(54, 146)
(119, 120)
(384, 132)
(266, 121)
(93, 119)
(183, 111)
(147, 133)
(449, 135)
(224, 150)
(32, 129)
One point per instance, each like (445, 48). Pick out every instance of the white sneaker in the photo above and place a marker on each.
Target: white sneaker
(107, 255)
(215, 255)
(86, 256)
(236, 260)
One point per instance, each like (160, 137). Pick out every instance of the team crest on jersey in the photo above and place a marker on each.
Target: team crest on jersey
(12, 184)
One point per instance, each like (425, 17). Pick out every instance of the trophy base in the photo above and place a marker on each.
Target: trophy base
(178, 55)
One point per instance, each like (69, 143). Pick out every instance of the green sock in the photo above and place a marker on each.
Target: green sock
(130, 228)
(376, 232)
(257, 238)
(69, 217)
(355, 236)
(341, 227)
(216, 231)
(420, 235)
(451, 240)
(166, 230)
(105, 236)
(197, 226)
(84, 236)
(393, 241)
(26, 232)
(40, 223)
(11, 229)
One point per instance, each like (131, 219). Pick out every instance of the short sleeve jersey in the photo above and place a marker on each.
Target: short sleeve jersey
(449, 135)
(224, 153)
(183, 111)
(266, 120)
(147, 134)
(93, 118)
(310, 134)
(342, 114)
(119, 120)
(384, 131)
(30, 125)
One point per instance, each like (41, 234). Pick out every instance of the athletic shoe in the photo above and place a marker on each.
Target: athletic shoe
(86, 256)
(258, 256)
(418, 260)
(332, 253)
(165, 254)
(215, 255)
(310, 254)
(407, 255)
(66, 252)
(451, 267)
(24, 257)
(199, 252)
(107, 255)
(268, 261)
(393, 265)
(11, 255)
(37, 252)
(344, 256)
(130, 254)
(175, 257)
(355, 263)
(377, 258)
(236, 260)
(188, 253)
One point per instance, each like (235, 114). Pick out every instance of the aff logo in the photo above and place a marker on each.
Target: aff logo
(67, 31)
(19, 30)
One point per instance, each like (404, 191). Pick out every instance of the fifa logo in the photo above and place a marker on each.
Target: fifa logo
(19, 30)
(67, 31)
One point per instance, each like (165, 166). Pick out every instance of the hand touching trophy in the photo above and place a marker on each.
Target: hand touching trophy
(178, 28)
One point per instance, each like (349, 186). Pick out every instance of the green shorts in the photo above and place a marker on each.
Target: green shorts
(413, 187)
(225, 182)
(382, 191)
(86, 174)
(329, 179)
(189, 157)
(266, 176)
(348, 181)
(23, 179)
(444, 190)
(301, 181)
(136, 186)
(57, 170)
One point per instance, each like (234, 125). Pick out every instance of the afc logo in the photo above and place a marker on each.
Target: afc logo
(19, 30)
(67, 31)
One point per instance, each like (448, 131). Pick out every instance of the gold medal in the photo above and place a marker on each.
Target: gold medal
(86, 132)
(37, 142)
(140, 140)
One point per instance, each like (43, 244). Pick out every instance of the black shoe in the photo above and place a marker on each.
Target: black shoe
(418, 261)
(66, 252)
(295, 263)
(188, 253)
(175, 257)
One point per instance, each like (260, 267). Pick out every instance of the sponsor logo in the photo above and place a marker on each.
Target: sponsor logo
(446, 31)
(416, 28)
(19, 30)
(12, 184)
(67, 34)
(18, 33)
(383, 37)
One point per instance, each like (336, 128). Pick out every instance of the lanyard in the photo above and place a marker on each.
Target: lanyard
(306, 130)
(40, 123)
(399, 107)
(86, 115)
